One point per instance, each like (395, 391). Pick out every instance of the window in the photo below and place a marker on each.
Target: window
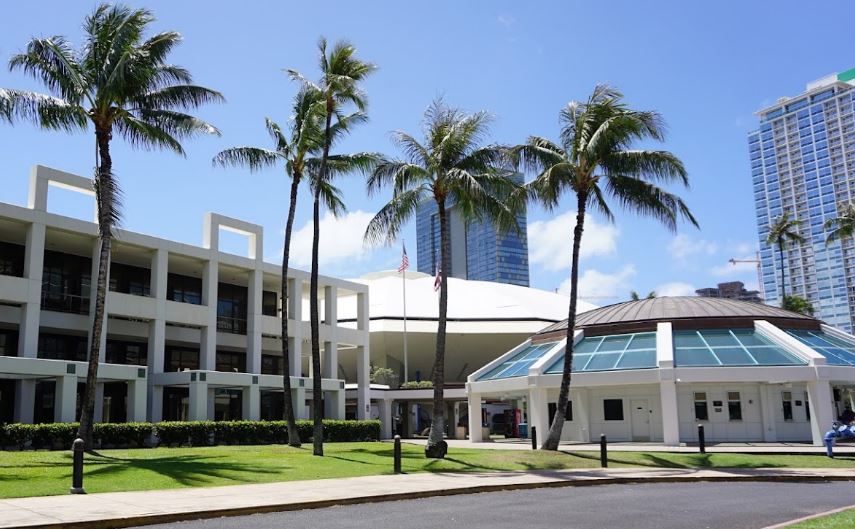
(8, 342)
(184, 289)
(62, 347)
(11, 259)
(180, 358)
(66, 282)
(231, 361)
(271, 365)
(613, 409)
(128, 353)
(734, 406)
(807, 407)
(268, 303)
(231, 308)
(702, 412)
(129, 279)
(787, 401)
(553, 407)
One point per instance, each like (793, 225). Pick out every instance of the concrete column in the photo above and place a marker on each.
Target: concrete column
(455, 414)
(208, 347)
(212, 403)
(159, 273)
(253, 328)
(331, 306)
(474, 418)
(155, 402)
(137, 392)
(362, 359)
(329, 360)
(65, 399)
(413, 418)
(339, 399)
(821, 414)
(198, 401)
(251, 401)
(298, 397)
(295, 327)
(28, 330)
(767, 413)
(98, 412)
(93, 286)
(670, 413)
(582, 415)
(538, 413)
(25, 401)
(386, 419)
(156, 346)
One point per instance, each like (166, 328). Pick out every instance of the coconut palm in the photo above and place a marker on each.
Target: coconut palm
(783, 230)
(594, 159)
(339, 88)
(292, 149)
(451, 169)
(841, 226)
(634, 296)
(122, 84)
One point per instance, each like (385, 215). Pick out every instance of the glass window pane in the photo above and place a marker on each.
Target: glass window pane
(694, 357)
(637, 360)
(749, 338)
(838, 356)
(682, 339)
(602, 361)
(587, 345)
(579, 363)
(772, 356)
(643, 341)
(614, 343)
(733, 356)
(716, 339)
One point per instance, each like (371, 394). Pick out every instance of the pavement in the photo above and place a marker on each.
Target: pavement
(127, 509)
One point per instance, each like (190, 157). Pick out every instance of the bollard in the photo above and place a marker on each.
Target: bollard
(701, 440)
(77, 470)
(604, 455)
(533, 438)
(397, 453)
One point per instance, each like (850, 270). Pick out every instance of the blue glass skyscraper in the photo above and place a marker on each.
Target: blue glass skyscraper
(478, 251)
(803, 164)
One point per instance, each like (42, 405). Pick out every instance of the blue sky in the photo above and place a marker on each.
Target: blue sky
(707, 67)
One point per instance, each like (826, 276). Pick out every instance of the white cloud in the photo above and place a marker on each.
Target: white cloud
(675, 288)
(683, 247)
(550, 242)
(506, 20)
(341, 240)
(602, 288)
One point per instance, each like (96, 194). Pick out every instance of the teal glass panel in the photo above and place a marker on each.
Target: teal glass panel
(637, 360)
(603, 361)
(642, 341)
(614, 343)
(736, 347)
(837, 351)
(694, 357)
(733, 356)
(603, 353)
(719, 339)
(683, 339)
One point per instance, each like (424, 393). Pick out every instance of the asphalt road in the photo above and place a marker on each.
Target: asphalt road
(639, 506)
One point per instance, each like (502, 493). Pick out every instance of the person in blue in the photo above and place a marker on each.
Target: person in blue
(842, 429)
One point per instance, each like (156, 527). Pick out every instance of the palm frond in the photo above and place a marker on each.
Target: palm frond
(53, 62)
(48, 112)
(145, 135)
(253, 158)
(177, 124)
(661, 166)
(649, 200)
(392, 217)
(179, 96)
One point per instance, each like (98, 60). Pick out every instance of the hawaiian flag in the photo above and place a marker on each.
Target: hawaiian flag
(437, 282)
(405, 261)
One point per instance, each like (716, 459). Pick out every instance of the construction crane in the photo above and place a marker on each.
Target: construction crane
(757, 262)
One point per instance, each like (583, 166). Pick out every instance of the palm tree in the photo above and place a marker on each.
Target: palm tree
(294, 151)
(784, 229)
(594, 158)
(122, 84)
(633, 295)
(841, 226)
(341, 73)
(451, 169)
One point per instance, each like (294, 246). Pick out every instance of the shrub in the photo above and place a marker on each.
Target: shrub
(122, 434)
(412, 384)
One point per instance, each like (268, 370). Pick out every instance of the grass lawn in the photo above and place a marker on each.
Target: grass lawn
(42, 473)
(841, 520)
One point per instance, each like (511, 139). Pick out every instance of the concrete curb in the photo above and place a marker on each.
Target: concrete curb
(811, 517)
(135, 521)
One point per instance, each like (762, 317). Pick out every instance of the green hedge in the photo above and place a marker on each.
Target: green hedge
(59, 436)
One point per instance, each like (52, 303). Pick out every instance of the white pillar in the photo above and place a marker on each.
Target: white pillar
(208, 347)
(538, 413)
(821, 416)
(137, 392)
(98, 412)
(362, 359)
(455, 413)
(25, 401)
(339, 400)
(298, 397)
(386, 418)
(767, 412)
(155, 403)
(475, 418)
(253, 328)
(198, 401)
(159, 273)
(28, 329)
(329, 365)
(295, 326)
(251, 402)
(670, 413)
(65, 399)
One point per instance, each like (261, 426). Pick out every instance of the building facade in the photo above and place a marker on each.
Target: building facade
(730, 290)
(652, 370)
(478, 250)
(803, 163)
(191, 333)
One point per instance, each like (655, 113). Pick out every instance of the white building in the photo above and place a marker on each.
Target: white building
(652, 370)
(192, 332)
(485, 319)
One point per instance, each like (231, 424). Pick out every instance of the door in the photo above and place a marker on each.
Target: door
(640, 418)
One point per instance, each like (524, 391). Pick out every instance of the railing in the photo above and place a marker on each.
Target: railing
(71, 303)
(231, 325)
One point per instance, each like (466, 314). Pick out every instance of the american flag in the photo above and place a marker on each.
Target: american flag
(405, 261)
(437, 282)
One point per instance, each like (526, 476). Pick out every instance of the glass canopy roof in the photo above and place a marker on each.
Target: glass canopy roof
(517, 365)
(837, 351)
(737, 347)
(606, 353)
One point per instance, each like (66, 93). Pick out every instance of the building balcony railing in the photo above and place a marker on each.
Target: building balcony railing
(231, 325)
(70, 303)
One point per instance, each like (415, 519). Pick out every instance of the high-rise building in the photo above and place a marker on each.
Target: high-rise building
(803, 163)
(730, 290)
(478, 250)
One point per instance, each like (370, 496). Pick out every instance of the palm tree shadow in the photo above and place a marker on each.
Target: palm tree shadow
(187, 470)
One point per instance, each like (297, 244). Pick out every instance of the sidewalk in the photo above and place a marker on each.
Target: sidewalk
(127, 509)
(711, 448)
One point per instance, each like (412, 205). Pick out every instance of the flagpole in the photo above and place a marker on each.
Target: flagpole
(404, 279)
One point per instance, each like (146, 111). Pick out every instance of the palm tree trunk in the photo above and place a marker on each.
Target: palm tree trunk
(783, 281)
(435, 445)
(554, 435)
(288, 404)
(104, 197)
(318, 430)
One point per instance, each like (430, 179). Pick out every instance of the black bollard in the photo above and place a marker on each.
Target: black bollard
(533, 438)
(701, 440)
(397, 453)
(604, 453)
(77, 469)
